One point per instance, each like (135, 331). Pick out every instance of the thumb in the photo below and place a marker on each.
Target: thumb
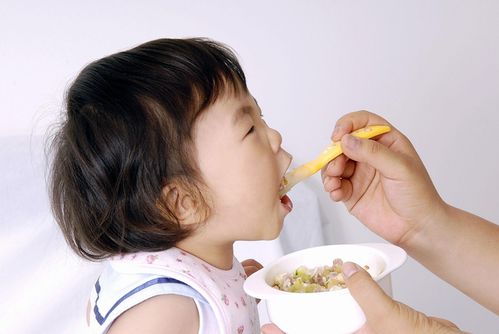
(375, 303)
(383, 314)
(371, 152)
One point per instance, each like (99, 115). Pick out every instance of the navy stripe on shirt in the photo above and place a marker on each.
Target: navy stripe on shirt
(160, 280)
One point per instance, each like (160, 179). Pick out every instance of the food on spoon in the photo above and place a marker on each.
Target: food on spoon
(318, 279)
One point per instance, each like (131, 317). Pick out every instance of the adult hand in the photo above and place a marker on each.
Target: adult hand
(383, 314)
(382, 182)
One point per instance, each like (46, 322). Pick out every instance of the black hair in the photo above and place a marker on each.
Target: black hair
(125, 134)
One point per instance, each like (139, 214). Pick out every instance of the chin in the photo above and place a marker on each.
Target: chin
(275, 233)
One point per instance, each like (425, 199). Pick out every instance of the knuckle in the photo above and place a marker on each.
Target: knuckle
(374, 147)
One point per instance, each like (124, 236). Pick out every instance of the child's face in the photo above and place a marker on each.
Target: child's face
(242, 163)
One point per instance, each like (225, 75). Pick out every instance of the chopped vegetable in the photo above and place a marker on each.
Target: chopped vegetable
(318, 279)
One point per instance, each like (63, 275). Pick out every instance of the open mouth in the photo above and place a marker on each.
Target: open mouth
(286, 202)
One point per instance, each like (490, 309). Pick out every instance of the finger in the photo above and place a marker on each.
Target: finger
(271, 329)
(251, 262)
(445, 322)
(332, 183)
(343, 193)
(336, 166)
(388, 162)
(355, 120)
(250, 270)
(349, 169)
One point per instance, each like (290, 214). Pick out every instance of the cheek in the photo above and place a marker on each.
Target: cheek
(216, 168)
(241, 179)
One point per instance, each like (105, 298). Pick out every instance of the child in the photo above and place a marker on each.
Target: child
(161, 163)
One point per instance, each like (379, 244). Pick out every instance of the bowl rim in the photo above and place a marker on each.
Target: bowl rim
(256, 285)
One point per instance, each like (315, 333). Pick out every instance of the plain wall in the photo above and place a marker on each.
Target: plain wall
(430, 67)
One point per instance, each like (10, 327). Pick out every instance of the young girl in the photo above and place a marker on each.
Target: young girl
(161, 163)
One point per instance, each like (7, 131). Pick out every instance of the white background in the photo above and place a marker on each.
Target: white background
(430, 67)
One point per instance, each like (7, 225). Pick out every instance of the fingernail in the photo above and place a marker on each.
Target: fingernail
(336, 130)
(351, 142)
(326, 183)
(349, 268)
(330, 165)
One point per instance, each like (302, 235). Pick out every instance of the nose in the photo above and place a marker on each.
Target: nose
(275, 139)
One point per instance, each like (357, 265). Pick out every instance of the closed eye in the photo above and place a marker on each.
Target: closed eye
(251, 130)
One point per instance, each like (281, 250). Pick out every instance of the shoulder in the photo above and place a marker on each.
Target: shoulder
(160, 314)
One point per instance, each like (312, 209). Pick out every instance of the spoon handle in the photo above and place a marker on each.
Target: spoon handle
(331, 152)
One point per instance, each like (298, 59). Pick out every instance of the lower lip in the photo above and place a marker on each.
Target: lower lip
(286, 203)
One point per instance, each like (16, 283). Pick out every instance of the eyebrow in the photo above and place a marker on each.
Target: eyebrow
(239, 114)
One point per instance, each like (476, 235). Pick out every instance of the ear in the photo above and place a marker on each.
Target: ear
(181, 203)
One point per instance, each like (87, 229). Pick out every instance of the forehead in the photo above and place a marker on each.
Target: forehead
(228, 109)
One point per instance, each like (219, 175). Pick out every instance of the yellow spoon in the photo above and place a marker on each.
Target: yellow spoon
(332, 151)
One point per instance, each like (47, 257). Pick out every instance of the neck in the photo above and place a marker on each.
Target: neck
(220, 256)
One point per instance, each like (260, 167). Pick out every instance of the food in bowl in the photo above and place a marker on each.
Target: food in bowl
(318, 279)
(305, 313)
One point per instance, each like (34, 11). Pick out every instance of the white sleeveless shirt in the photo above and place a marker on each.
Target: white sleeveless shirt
(127, 280)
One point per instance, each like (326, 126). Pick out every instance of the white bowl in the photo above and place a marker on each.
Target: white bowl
(322, 312)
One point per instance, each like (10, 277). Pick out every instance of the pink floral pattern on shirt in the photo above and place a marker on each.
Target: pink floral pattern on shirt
(239, 308)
